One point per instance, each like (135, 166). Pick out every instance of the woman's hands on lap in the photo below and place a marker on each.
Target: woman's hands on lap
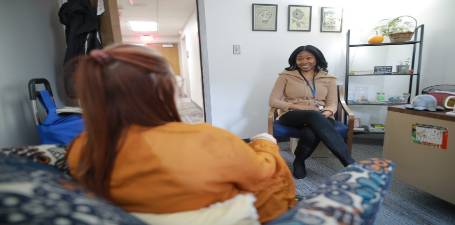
(327, 113)
(303, 107)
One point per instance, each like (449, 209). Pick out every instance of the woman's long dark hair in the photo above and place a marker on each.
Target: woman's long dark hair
(128, 85)
(321, 63)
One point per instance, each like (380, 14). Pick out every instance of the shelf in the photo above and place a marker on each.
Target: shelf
(368, 132)
(412, 75)
(377, 103)
(393, 74)
(382, 44)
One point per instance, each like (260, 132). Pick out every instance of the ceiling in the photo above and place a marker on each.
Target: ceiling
(171, 16)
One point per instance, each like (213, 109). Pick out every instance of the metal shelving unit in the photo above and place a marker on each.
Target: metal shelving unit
(382, 44)
(416, 60)
(415, 67)
(376, 103)
(393, 74)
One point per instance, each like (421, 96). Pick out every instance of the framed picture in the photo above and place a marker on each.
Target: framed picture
(331, 19)
(264, 17)
(299, 18)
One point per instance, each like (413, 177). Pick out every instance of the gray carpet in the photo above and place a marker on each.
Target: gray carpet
(403, 205)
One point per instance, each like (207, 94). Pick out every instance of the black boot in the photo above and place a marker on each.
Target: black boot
(299, 171)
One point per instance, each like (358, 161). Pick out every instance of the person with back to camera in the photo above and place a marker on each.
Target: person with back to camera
(307, 98)
(137, 153)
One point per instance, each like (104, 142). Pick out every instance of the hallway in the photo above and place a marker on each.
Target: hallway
(190, 112)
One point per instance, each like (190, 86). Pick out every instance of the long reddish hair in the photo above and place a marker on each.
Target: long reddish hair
(118, 87)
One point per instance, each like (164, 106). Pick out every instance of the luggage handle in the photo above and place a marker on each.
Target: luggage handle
(48, 102)
(33, 94)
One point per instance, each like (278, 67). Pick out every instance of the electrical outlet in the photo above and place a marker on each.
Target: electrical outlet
(236, 49)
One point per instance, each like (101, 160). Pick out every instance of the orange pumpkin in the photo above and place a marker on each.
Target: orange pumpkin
(376, 39)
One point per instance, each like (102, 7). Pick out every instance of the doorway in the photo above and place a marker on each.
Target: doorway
(171, 28)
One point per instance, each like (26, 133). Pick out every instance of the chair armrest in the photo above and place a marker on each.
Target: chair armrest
(350, 123)
(345, 110)
(342, 103)
(352, 196)
(271, 118)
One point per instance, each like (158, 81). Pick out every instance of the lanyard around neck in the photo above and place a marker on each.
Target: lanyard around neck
(312, 87)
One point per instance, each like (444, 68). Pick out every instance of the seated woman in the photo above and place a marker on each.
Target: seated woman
(137, 152)
(307, 98)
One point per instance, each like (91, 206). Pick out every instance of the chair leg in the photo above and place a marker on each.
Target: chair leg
(349, 143)
(293, 144)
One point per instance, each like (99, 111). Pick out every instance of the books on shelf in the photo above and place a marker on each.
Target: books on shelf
(366, 102)
(376, 128)
(373, 128)
(377, 125)
(376, 102)
(359, 129)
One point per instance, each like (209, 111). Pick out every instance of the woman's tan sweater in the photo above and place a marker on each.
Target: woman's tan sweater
(179, 167)
(291, 88)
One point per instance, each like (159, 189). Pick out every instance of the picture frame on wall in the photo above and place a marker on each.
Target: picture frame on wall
(299, 18)
(331, 19)
(264, 17)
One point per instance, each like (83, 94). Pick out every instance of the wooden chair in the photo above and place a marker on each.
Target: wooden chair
(344, 123)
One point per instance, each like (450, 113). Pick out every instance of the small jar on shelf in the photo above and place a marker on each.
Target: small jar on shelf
(380, 96)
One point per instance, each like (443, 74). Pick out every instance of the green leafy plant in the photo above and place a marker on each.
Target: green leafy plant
(382, 28)
(397, 25)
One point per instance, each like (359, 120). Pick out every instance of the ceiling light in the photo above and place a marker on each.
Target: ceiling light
(143, 26)
(147, 38)
(167, 45)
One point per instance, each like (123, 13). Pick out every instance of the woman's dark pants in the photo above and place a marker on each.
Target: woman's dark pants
(315, 128)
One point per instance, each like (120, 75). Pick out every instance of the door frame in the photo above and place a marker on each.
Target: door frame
(203, 54)
(110, 33)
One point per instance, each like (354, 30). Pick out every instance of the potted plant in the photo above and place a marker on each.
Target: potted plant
(399, 29)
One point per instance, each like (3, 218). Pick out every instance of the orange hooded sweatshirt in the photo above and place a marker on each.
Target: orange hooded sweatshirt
(179, 167)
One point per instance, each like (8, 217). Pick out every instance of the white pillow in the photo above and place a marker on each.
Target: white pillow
(265, 136)
(239, 210)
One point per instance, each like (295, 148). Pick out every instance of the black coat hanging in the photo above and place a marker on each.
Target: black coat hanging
(82, 33)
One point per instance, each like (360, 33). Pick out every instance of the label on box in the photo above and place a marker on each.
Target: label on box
(434, 136)
(383, 70)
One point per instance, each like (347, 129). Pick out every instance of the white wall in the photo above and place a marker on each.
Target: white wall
(438, 60)
(31, 46)
(191, 61)
(239, 85)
